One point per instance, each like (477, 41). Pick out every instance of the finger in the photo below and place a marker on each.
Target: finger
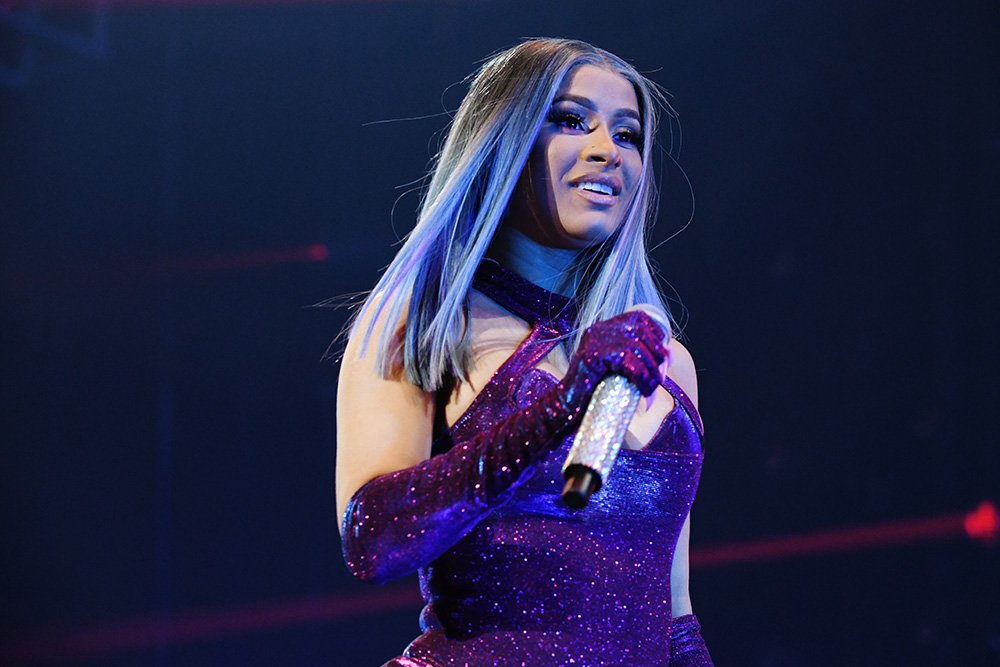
(643, 369)
(653, 342)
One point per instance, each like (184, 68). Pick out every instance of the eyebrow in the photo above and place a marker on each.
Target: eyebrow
(589, 104)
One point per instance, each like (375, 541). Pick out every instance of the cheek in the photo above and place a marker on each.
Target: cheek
(632, 170)
(559, 154)
(548, 169)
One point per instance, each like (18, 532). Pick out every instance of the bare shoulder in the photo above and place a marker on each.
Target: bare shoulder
(367, 327)
(384, 424)
(361, 381)
(682, 370)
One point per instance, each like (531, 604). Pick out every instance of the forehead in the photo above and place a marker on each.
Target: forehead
(608, 89)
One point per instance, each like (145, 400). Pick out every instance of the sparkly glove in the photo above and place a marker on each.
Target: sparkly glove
(403, 520)
(687, 648)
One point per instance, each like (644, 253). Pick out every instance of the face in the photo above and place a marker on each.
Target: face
(585, 165)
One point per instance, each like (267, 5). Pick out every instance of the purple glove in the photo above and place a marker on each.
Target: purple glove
(403, 520)
(687, 648)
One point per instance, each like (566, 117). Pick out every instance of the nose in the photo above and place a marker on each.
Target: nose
(603, 148)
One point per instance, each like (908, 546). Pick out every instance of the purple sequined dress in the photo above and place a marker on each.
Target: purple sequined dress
(536, 583)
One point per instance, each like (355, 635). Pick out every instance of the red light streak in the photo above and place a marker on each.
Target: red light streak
(176, 267)
(164, 269)
(146, 633)
(980, 524)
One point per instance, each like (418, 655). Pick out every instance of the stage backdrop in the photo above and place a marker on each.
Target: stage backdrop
(181, 181)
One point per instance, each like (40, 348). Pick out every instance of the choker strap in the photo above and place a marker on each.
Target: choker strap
(534, 304)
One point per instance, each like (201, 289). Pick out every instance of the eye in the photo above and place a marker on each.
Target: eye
(568, 119)
(629, 136)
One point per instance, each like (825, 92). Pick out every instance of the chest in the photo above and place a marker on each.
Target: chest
(497, 337)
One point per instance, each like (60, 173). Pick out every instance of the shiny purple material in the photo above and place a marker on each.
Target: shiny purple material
(403, 520)
(687, 648)
(529, 581)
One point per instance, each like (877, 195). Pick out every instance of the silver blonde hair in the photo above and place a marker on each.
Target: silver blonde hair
(471, 182)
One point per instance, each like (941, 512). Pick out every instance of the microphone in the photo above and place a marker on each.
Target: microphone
(602, 431)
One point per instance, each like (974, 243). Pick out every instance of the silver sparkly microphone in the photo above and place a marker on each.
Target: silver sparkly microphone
(602, 431)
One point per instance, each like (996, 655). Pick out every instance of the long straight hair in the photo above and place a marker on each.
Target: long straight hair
(471, 184)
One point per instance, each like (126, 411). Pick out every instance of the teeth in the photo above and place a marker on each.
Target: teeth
(596, 187)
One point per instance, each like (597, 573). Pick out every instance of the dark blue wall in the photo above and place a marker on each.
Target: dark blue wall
(169, 441)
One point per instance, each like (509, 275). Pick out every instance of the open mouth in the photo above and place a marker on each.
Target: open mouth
(600, 188)
(598, 185)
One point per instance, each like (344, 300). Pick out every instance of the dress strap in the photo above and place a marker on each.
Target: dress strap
(533, 304)
(682, 399)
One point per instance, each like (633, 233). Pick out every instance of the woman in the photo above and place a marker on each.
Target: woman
(470, 364)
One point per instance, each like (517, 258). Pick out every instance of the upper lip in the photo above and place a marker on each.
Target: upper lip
(606, 179)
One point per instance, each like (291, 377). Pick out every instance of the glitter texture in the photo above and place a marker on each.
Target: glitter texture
(528, 581)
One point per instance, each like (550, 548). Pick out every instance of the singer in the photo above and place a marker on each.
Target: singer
(469, 366)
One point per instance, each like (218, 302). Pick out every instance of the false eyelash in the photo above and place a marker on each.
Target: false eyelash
(635, 138)
(562, 115)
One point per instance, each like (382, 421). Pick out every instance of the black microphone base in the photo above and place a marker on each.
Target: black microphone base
(581, 483)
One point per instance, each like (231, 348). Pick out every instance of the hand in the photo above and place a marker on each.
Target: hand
(630, 344)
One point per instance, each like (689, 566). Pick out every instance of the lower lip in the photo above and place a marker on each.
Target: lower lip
(597, 198)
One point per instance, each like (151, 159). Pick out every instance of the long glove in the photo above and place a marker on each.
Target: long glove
(401, 521)
(687, 648)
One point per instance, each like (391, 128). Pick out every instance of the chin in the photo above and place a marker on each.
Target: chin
(581, 239)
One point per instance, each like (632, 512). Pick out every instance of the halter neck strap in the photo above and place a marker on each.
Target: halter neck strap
(525, 299)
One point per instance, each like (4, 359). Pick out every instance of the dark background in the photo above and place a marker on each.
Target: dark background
(168, 427)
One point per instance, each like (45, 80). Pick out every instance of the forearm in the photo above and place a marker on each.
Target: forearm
(401, 521)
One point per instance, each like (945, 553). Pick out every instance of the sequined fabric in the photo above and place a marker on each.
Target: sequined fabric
(536, 583)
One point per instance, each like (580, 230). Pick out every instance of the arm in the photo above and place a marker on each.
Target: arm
(405, 509)
(369, 443)
(687, 648)
(680, 597)
(682, 371)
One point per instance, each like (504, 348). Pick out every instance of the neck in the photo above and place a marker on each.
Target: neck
(549, 268)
